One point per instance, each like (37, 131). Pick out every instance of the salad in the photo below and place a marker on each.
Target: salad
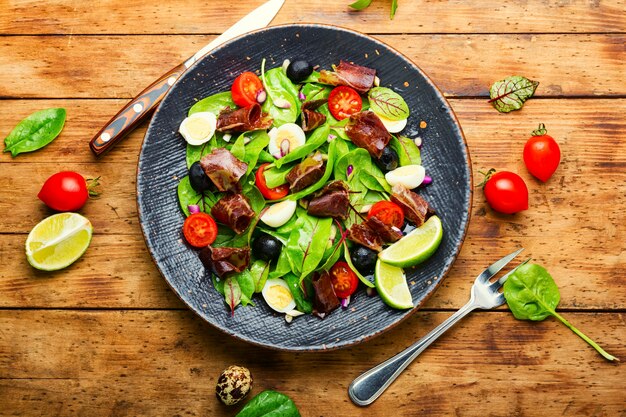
(301, 188)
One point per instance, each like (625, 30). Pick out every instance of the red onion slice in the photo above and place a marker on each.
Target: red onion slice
(193, 208)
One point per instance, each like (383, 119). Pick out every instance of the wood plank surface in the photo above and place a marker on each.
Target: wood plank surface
(215, 16)
(160, 363)
(97, 67)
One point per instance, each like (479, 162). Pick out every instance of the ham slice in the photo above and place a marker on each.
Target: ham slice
(355, 76)
(325, 300)
(234, 211)
(224, 261)
(223, 169)
(365, 236)
(331, 201)
(387, 233)
(306, 172)
(310, 118)
(243, 120)
(366, 131)
(415, 208)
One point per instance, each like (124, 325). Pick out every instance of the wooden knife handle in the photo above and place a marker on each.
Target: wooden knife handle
(134, 112)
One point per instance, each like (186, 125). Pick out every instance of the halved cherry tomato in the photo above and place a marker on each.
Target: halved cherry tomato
(387, 212)
(200, 230)
(245, 89)
(269, 193)
(344, 279)
(344, 102)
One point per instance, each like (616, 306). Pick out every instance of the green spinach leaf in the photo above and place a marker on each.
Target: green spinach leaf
(259, 272)
(307, 243)
(259, 140)
(276, 176)
(282, 101)
(218, 283)
(35, 131)
(239, 147)
(246, 284)
(313, 91)
(188, 196)
(407, 150)
(270, 404)
(317, 139)
(532, 294)
(213, 104)
(302, 302)
(361, 4)
(283, 266)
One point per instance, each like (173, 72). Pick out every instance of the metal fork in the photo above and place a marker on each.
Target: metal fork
(485, 295)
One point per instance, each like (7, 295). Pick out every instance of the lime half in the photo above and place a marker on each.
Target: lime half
(57, 241)
(415, 247)
(392, 287)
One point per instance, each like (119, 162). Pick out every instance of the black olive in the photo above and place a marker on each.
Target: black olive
(363, 259)
(388, 160)
(198, 179)
(298, 71)
(266, 247)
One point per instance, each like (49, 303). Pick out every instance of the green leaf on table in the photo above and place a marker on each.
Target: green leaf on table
(387, 103)
(35, 131)
(511, 93)
(407, 150)
(187, 196)
(361, 4)
(213, 104)
(532, 294)
(394, 7)
(269, 404)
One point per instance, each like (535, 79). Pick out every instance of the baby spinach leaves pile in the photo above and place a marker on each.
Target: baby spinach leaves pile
(363, 4)
(35, 131)
(532, 294)
(270, 403)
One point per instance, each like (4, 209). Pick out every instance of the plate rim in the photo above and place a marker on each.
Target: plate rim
(358, 340)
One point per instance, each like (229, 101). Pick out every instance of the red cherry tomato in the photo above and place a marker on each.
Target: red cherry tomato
(200, 230)
(344, 279)
(344, 102)
(269, 193)
(542, 154)
(245, 89)
(387, 212)
(65, 191)
(506, 192)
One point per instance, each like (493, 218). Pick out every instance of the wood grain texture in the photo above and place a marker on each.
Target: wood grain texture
(96, 66)
(166, 363)
(456, 16)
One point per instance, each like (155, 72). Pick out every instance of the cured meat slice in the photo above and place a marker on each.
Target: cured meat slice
(365, 236)
(415, 208)
(331, 201)
(243, 120)
(355, 76)
(366, 131)
(306, 172)
(223, 169)
(325, 300)
(224, 261)
(234, 211)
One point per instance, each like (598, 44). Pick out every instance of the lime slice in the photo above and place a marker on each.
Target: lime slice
(57, 241)
(415, 247)
(392, 287)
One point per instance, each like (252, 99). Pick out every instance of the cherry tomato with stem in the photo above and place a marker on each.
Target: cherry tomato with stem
(505, 191)
(200, 230)
(343, 102)
(269, 193)
(542, 154)
(387, 212)
(67, 191)
(344, 280)
(245, 89)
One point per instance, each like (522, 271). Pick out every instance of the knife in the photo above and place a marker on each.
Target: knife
(139, 107)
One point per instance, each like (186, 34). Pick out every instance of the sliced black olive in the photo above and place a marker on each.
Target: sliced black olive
(298, 71)
(388, 160)
(266, 247)
(198, 179)
(363, 259)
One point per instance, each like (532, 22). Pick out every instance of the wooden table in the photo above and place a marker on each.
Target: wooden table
(108, 337)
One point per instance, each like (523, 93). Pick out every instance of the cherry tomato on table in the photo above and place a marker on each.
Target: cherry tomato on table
(542, 154)
(66, 191)
(269, 193)
(343, 102)
(344, 279)
(387, 212)
(245, 89)
(506, 192)
(200, 230)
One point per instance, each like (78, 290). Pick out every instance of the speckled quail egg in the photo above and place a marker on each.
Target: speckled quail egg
(277, 295)
(233, 384)
(198, 128)
(285, 139)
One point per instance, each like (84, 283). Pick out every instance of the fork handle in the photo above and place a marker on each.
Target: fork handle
(367, 387)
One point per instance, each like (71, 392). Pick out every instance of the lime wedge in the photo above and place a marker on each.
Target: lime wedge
(415, 247)
(57, 241)
(392, 287)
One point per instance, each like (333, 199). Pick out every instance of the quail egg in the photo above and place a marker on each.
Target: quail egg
(277, 295)
(280, 213)
(198, 128)
(233, 384)
(409, 176)
(285, 139)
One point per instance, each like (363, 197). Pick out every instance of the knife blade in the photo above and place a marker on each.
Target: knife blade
(129, 117)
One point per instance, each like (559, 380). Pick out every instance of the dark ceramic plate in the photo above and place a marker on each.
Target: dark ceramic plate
(162, 164)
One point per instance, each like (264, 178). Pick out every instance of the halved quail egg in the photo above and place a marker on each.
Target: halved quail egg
(409, 176)
(285, 139)
(198, 128)
(277, 295)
